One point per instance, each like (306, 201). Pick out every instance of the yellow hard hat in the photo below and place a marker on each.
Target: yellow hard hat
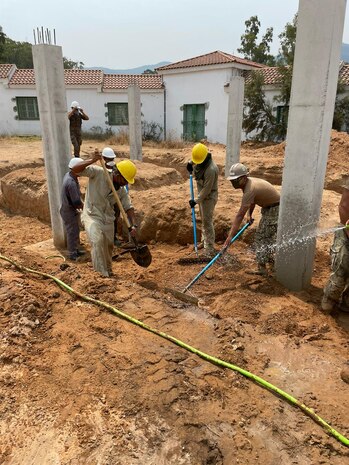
(128, 170)
(199, 153)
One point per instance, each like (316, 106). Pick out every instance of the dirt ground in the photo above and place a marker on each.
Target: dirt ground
(79, 386)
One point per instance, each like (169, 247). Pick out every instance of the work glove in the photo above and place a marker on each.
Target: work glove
(192, 203)
(190, 167)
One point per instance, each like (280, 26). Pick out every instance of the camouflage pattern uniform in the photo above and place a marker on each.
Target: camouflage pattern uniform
(265, 238)
(207, 199)
(75, 131)
(337, 288)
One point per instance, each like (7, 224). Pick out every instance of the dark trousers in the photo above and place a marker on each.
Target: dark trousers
(71, 224)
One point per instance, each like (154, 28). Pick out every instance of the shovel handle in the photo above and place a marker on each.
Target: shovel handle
(118, 201)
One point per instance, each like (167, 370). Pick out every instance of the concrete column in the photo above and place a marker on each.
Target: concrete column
(234, 126)
(50, 88)
(134, 121)
(314, 83)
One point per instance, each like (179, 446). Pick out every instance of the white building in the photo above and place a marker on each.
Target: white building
(102, 96)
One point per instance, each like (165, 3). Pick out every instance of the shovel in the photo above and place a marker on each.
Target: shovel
(140, 253)
(182, 295)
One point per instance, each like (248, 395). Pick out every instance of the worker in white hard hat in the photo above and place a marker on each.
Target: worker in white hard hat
(98, 213)
(256, 192)
(76, 115)
(71, 207)
(206, 175)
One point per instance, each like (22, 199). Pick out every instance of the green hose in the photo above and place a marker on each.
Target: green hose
(216, 361)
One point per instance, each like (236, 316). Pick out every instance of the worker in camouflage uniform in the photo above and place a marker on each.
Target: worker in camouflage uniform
(336, 291)
(256, 192)
(76, 115)
(206, 175)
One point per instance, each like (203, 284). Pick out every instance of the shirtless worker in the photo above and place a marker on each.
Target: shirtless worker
(98, 213)
(256, 192)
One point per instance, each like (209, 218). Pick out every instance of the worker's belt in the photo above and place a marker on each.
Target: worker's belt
(272, 205)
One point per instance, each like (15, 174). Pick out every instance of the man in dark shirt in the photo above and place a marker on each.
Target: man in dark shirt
(71, 204)
(76, 115)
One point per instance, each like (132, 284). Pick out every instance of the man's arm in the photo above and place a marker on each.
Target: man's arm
(343, 208)
(236, 224)
(84, 164)
(249, 215)
(70, 114)
(83, 114)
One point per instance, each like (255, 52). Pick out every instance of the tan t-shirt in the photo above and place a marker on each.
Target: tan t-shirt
(260, 192)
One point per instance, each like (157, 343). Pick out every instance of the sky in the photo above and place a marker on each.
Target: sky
(130, 33)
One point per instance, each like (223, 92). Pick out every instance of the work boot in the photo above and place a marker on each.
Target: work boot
(117, 243)
(73, 257)
(343, 307)
(327, 304)
(80, 253)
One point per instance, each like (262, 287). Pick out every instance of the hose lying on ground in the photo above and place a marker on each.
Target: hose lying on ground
(216, 361)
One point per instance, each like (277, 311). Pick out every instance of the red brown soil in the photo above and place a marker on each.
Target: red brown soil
(80, 386)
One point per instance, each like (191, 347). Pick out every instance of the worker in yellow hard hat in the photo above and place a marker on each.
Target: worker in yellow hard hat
(98, 213)
(205, 172)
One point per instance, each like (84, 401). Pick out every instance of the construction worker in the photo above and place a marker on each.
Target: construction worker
(206, 175)
(71, 208)
(76, 115)
(98, 213)
(262, 193)
(336, 291)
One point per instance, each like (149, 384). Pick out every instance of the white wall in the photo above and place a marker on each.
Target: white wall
(197, 87)
(90, 100)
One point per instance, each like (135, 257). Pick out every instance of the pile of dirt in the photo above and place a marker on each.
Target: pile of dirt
(80, 386)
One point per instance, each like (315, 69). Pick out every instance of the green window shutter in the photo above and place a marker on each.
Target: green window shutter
(117, 114)
(27, 108)
(193, 122)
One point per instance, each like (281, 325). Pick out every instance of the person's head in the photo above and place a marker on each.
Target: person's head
(199, 153)
(124, 173)
(109, 157)
(73, 162)
(238, 174)
(75, 105)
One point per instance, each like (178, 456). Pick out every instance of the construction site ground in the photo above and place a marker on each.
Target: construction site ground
(80, 386)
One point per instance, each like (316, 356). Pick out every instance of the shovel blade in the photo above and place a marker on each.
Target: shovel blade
(141, 255)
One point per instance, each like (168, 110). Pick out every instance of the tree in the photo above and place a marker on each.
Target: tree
(258, 52)
(20, 54)
(258, 112)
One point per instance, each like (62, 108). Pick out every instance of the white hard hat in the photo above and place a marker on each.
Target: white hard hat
(75, 104)
(107, 152)
(74, 161)
(237, 170)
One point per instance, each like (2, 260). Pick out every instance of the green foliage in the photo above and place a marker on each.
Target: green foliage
(20, 54)
(258, 52)
(341, 110)
(151, 131)
(288, 43)
(149, 71)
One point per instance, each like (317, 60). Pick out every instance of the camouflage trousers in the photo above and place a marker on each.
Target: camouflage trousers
(337, 287)
(208, 233)
(76, 140)
(265, 239)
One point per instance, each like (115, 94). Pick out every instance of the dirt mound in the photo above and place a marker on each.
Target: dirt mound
(81, 386)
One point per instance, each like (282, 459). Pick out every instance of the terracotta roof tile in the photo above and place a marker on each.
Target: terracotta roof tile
(344, 74)
(92, 77)
(85, 77)
(122, 81)
(213, 58)
(271, 75)
(5, 70)
(23, 77)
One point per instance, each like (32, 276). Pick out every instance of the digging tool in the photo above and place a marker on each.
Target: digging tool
(193, 218)
(140, 253)
(182, 294)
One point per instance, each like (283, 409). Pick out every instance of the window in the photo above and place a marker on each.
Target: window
(27, 108)
(282, 114)
(118, 114)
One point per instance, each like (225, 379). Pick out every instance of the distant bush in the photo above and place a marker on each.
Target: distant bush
(121, 137)
(151, 131)
(98, 133)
